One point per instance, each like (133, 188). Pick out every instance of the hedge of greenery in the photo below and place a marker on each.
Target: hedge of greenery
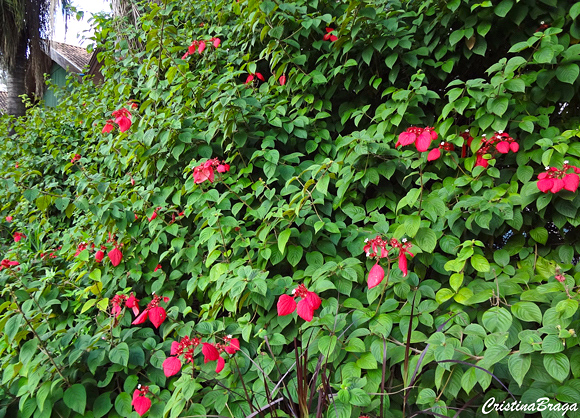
(300, 209)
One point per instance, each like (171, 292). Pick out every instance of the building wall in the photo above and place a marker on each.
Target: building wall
(57, 77)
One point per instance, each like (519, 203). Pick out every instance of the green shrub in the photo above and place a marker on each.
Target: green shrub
(487, 309)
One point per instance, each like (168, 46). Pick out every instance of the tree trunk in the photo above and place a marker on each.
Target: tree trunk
(15, 78)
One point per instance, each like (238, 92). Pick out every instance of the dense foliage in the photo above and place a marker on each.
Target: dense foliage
(263, 162)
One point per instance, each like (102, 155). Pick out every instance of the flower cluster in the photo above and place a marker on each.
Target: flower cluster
(435, 153)
(130, 302)
(199, 47)
(467, 140)
(122, 118)
(211, 352)
(18, 236)
(309, 302)
(421, 137)
(7, 264)
(377, 248)
(154, 312)
(205, 171)
(115, 255)
(141, 402)
(553, 180)
(500, 142)
(252, 77)
(329, 36)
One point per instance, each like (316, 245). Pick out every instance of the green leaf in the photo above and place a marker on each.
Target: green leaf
(497, 319)
(518, 365)
(552, 344)
(426, 240)
(283, 239)
(498, 105)
(503, 8)
(567, 73)
(575, 10)
(527, 311)
(75, 398)
(123, 404)
(539, 235)
(367, 361)
(515, 85)
(294, 254)
(557, 366)
(480, 263)
(120, 354)
(102, 405)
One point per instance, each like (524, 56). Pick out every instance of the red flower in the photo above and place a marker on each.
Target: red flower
(260, 76)
(153, 216)
(502, 142)
(108, 127)
(141, 402)
(18, 236)
(233, 345)
(117, 301)
(223, 168)
(210, 353)
(9, 219)
(75, 158)
(155, 313)
(123, 119)
(171, 366)
(99, 255)
(282, 79)
(7, 264)
(159, 267)
(554, 180)
(115, 255)
(249, 79)
(309, 302)
(133, 303)
(205, 171)
(421, 137)
(329, 36)
(560, 277)
(81, 247)
(404, 249)
(252, 77)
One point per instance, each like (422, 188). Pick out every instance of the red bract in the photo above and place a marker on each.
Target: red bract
(7, 264)
(81, 247)
(171, 366)
(421, 137)
(309, 302)
(115, 255)
(209, 352)
(467, 142)
(252, 77)
(123, 119)
(159, 267)
(75, 158)
(215, 42)
(205, 171)
(18, 236)
(329, 36)
(233, 344)
(9, 219)
(560, 277)
(553, 180)
(403, 250)
(99, 255)
(376, 276)
(116, 302)
(154, 312)
(502, 142)
(141, 402)
(435, 153)
(108, 126)
(282, 79)
(133, 303)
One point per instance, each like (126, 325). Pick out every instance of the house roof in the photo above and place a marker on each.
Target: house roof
(73, 58)
(3, 101)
